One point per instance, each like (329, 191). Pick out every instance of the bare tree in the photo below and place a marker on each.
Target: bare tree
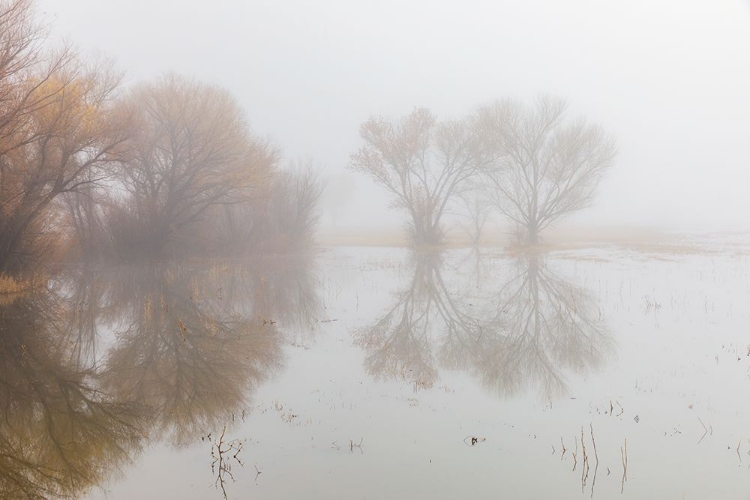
(58, 129)
(423, 163)
(62, 147)
(545, 166)
(192, 151)
(478, 208)
(283, 218)
(20, 41)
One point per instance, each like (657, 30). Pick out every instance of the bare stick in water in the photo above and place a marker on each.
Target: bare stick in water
(624, 456)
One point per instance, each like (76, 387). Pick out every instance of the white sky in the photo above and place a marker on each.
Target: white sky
(669, 78)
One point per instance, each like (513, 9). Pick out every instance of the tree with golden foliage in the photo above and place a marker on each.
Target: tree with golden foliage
(58, 129)
(191, 151)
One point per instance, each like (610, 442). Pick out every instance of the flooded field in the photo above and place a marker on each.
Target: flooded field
(608, 372)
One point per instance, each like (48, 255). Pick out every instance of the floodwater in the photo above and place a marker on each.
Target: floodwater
(377, 373)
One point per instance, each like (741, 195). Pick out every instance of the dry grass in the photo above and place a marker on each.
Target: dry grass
(569, 237)
(11, 288)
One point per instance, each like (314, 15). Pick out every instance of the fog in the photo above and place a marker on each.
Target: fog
(393, 249)
(668, 79)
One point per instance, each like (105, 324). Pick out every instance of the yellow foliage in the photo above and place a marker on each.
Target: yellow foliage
(12, 288)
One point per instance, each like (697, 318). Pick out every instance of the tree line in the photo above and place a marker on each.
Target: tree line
(92, 170)
(169, 167)
(527, 161)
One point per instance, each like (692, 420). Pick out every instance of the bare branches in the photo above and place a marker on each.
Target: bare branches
(57, 130)
(223, 454)
(422, 163)
(544, 167)
(538, 166)
(192, 151)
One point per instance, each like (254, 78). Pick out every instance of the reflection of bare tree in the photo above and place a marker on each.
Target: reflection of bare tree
(276, 288)
(528, 332)
(401, 342)
(182, 351)
(189, 347)
(538, 325)
(59, 434)
(85, 312)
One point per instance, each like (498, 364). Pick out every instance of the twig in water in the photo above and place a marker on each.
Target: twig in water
(352, 446)
(596, 457)
(564, 449)
(473, 440)
(705, 430)
(593, 441)
(624, 456)
(585, 467)
(222, 462)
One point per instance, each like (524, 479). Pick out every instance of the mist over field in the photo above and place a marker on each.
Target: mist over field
(668, 79)
(356, 249)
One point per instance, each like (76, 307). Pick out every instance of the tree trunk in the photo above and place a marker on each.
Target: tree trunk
(532, 235)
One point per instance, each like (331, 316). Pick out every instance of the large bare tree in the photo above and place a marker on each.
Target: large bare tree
(423, 163)
(192, 151)
(545, 166)
(58, 129)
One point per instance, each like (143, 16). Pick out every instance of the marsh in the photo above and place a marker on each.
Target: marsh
(384, 372)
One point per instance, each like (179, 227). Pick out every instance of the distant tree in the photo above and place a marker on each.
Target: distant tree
(545, 166)
(192, 151)
(293, 207)
(423, 163)
(478, 208)
(280, 217)
(58, 129)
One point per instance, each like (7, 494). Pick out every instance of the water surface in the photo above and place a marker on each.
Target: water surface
(384, 373)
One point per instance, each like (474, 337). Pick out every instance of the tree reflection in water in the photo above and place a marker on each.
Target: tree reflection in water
(184, 353)
(185, 349)
(401, 342)
(525, 333)
(60, 434)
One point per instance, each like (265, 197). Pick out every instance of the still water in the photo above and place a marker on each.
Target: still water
(383, 373)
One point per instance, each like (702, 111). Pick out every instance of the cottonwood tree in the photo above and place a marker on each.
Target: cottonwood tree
(478, 209)
(58, 129)
(545, 166)
(192, 150)
(423, 163)
(283, 217)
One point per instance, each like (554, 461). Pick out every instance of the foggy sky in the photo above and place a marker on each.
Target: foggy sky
(669, 78)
